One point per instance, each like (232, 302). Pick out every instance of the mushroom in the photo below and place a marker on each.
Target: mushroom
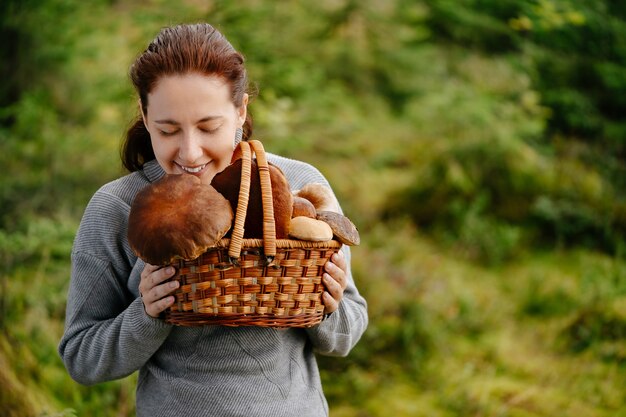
(327, 210)
(344, 230)
(177, 217)
(303, 207)
(306, 228)
(320, 195)
(228, 182)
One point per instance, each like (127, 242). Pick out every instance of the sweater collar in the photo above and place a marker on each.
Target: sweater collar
(153, 170)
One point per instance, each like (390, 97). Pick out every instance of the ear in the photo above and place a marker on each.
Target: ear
(143, 115)
(242, 111)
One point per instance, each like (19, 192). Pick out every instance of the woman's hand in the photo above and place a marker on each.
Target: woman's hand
(155, 293)
(335, 282)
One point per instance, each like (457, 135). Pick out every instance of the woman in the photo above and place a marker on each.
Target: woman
(193, 101)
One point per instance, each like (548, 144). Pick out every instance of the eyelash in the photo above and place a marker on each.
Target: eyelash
(209, 131)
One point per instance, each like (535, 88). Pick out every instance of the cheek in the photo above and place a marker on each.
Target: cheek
(164, 152)
(222, 147)
(160, 147)
(224, 155)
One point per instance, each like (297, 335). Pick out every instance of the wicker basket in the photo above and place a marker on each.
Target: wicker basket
(253, 282)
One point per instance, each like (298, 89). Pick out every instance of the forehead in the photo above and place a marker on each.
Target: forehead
(189, 92)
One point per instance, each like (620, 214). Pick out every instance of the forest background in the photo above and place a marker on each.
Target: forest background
(479, 145)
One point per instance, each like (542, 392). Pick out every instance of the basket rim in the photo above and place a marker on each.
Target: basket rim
(224, 243)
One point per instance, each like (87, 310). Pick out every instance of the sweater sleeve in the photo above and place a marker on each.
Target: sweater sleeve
(341, 331)
(107, 334)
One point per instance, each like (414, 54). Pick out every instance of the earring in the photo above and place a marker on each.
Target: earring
(238, 137)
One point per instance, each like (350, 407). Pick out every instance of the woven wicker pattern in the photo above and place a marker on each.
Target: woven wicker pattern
(253, 282)
(285, 294)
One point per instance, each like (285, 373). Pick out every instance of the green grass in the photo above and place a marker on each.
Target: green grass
(469, 340)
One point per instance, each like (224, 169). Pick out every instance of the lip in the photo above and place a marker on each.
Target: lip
(193, 170)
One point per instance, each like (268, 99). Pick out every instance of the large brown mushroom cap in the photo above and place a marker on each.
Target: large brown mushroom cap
(228, 183)
(177, 217)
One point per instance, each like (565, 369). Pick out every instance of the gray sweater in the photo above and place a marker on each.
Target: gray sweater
(206, 371)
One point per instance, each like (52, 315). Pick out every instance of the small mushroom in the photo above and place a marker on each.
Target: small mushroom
(303, 207)
(177, 217)
(320, 195)
(228, 183)
(344, 230)
(306, 228)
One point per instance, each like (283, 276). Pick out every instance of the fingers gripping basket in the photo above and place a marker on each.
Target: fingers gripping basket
(253, 282)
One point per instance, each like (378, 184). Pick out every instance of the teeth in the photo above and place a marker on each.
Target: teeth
(193, 170)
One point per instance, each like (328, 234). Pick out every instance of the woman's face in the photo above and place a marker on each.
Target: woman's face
(192, 124)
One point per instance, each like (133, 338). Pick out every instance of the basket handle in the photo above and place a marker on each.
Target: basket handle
(269, 226)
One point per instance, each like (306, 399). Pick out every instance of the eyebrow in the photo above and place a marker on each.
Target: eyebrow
(175, 123)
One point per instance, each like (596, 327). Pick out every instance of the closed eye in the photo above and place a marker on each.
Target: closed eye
(209, 131)
(168, 133)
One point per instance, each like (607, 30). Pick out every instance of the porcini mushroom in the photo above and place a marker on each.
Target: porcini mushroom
(343, 229)
(306, 228)
(177, 217)
(320, 195)
(228, 183)
(303, 207)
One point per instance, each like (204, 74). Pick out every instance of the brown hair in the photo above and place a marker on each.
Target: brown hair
(177, 50)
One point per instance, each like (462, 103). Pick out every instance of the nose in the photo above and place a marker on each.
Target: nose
(190, 148)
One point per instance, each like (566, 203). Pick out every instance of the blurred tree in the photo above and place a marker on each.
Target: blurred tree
(572, 190)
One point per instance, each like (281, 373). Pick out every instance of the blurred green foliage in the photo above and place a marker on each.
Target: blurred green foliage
(478, 145)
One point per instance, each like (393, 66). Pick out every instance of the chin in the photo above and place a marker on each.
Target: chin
(207, 176)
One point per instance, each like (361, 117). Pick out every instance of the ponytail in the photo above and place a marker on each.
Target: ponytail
(136, 148)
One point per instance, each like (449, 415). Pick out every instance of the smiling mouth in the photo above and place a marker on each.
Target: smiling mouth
(192, 170)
